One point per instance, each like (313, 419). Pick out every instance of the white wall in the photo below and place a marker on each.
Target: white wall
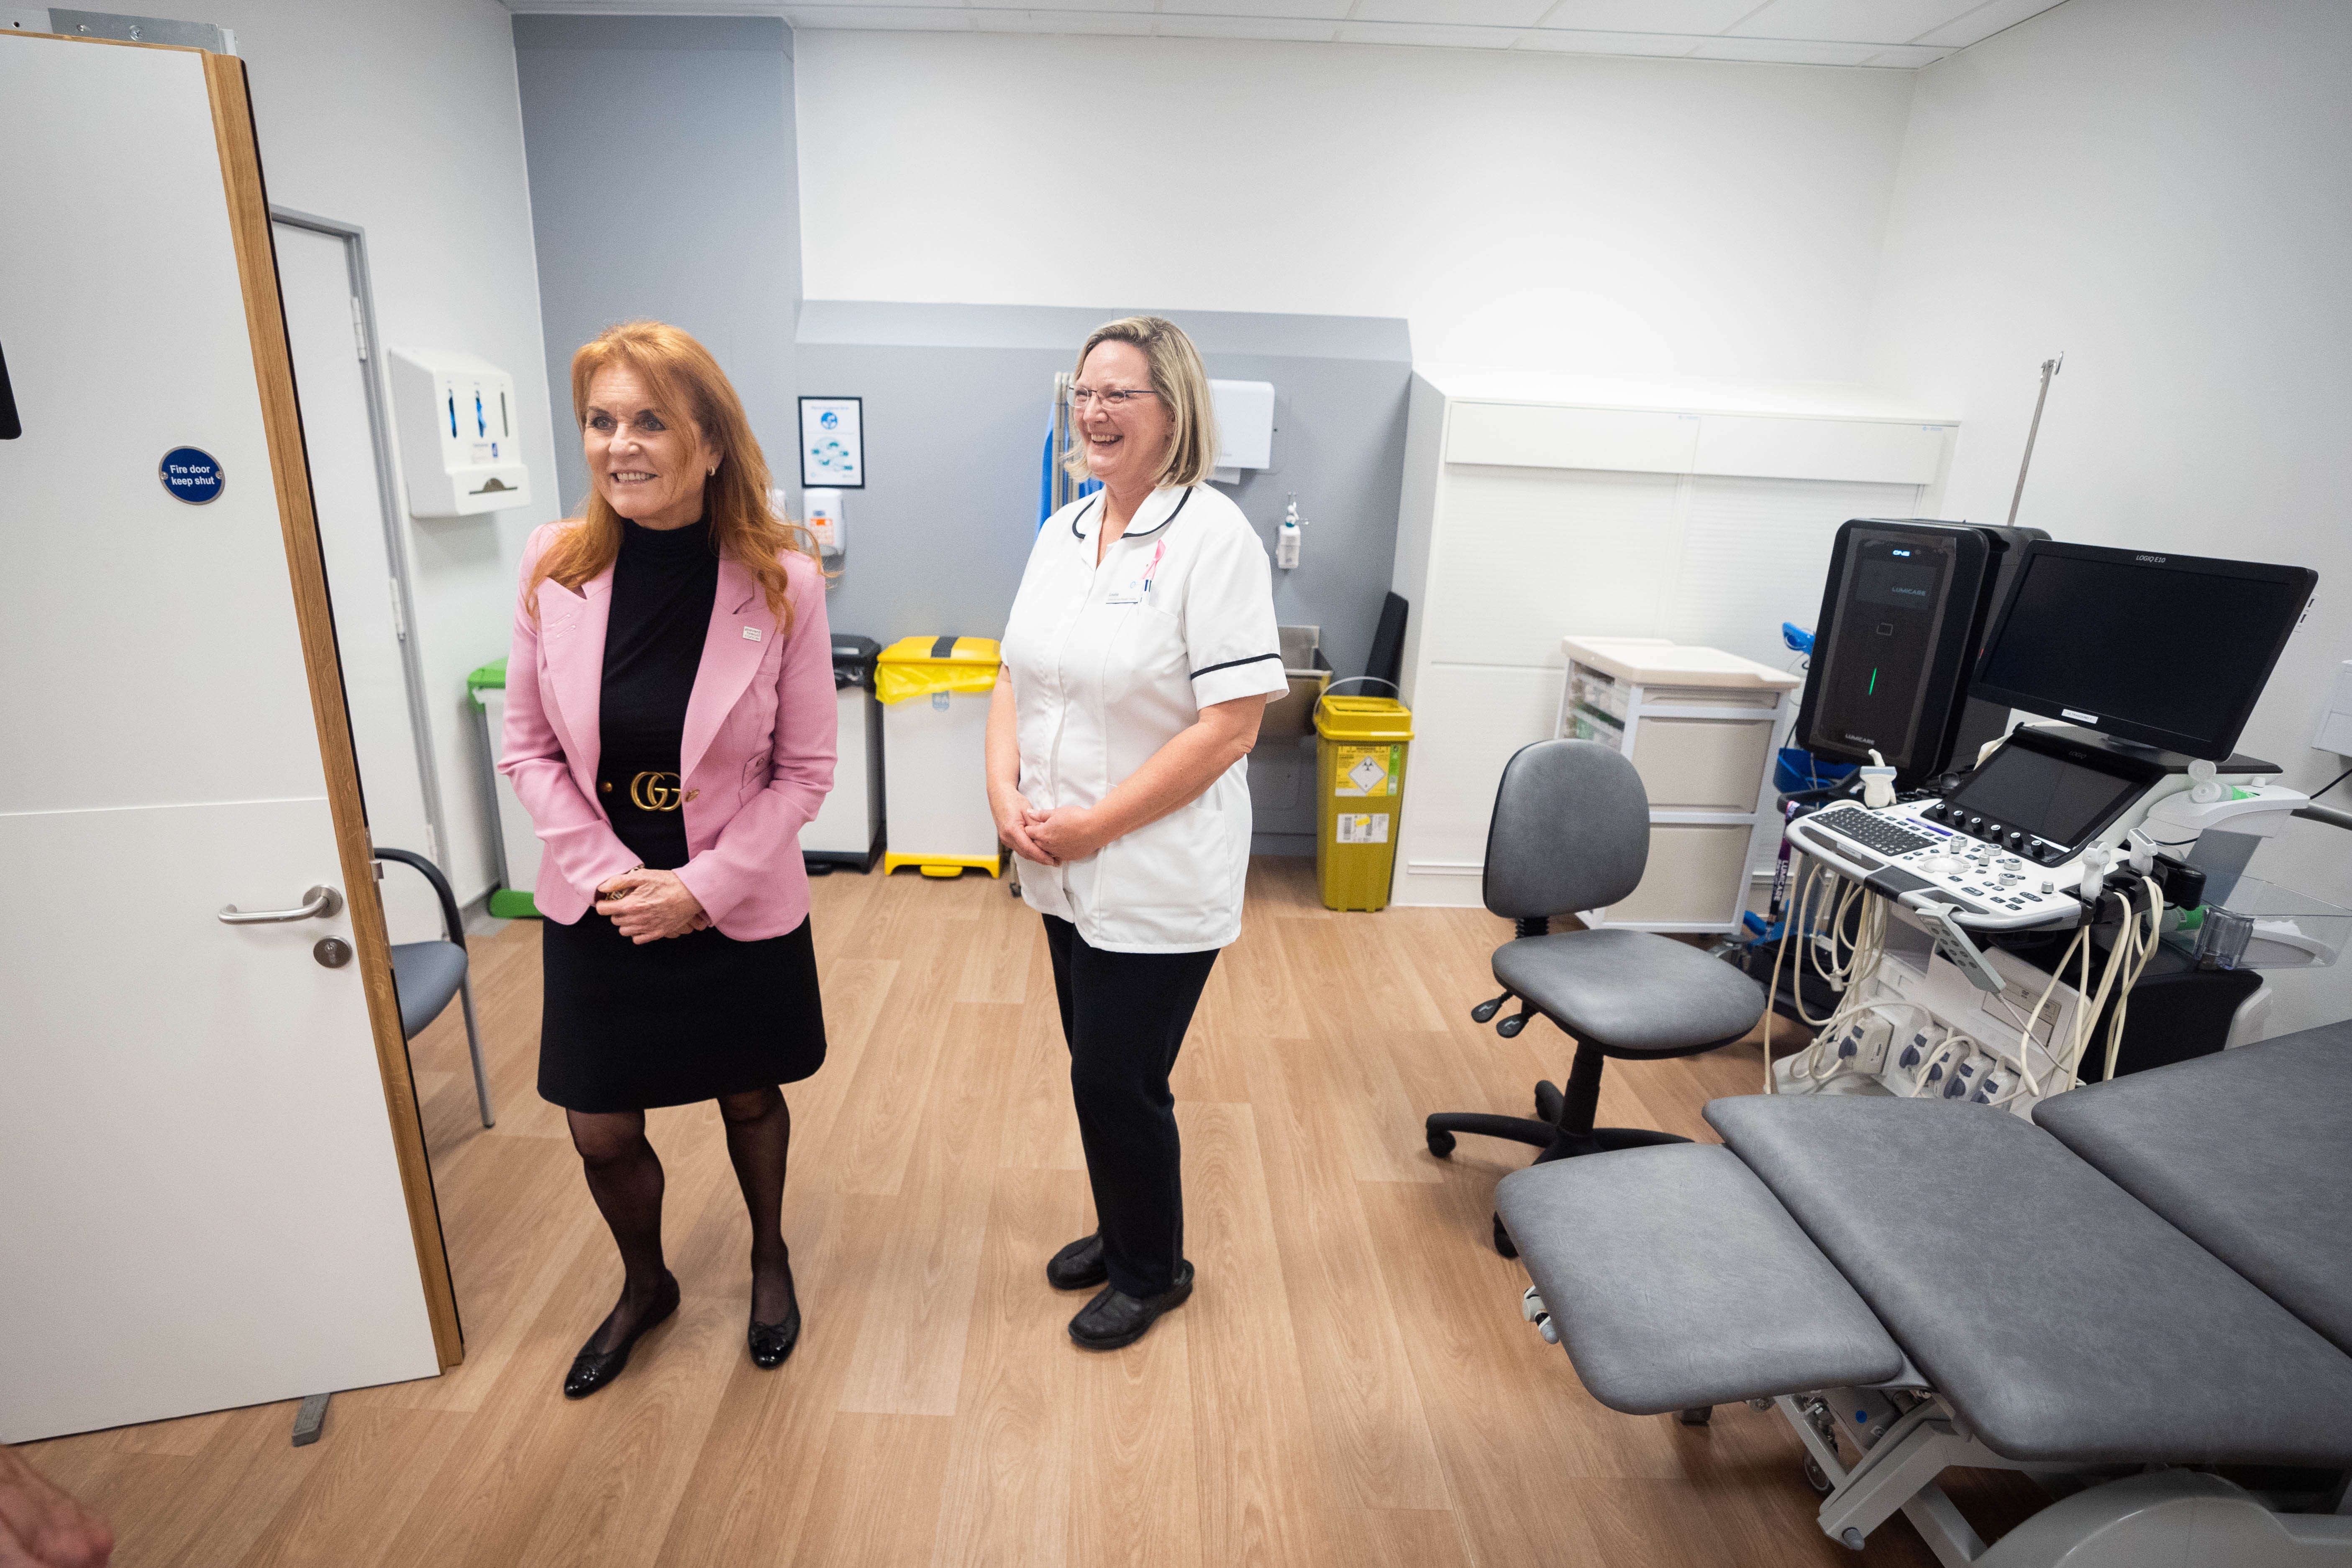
(403, 119)
(2163, 189)
(1610, 215)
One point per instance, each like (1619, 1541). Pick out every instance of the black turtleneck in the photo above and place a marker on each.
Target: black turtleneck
(663, 587)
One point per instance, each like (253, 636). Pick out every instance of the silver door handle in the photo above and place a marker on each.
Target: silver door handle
(318, 904)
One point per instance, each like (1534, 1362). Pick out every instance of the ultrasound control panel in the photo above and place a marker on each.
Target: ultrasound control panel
(2004, 846)
(1900, 852)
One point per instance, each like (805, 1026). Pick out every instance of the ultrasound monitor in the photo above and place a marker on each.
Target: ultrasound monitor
(2167, 651)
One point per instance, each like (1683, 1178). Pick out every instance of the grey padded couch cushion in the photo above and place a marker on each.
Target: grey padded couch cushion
(1678, 1281)
(1632, 991)
(2062, 1318)
(2250, 1152)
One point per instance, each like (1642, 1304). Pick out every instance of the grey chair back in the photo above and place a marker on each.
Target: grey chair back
(1570, 830)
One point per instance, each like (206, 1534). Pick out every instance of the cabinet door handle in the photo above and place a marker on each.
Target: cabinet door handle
(318, 904)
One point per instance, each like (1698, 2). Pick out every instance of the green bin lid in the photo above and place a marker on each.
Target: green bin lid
(491, 677)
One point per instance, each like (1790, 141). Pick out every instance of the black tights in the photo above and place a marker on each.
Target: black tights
(625, 1176)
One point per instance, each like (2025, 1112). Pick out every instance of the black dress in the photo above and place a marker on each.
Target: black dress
(626, 1026)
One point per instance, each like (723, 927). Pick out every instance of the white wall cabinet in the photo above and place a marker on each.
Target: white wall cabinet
(1525, 520)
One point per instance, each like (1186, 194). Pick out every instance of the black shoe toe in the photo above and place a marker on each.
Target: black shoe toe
(1114, 1318)
(1079, 1265)
(771, 1343)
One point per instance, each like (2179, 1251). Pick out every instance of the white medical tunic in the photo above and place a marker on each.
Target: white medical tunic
(1109, 663)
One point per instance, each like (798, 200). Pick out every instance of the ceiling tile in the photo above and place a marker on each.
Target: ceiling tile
(1452, 13)
(1129, 23)
(1244, 10)
(1270, 29)
(1986, 20)
(1850, 21)
(1437, 37)
(1654, 16)
(1554, 40)
(1071, 8)
(881, 18)
(1784, 51)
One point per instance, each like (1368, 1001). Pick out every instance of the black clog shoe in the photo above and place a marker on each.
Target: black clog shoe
(1114, 1318)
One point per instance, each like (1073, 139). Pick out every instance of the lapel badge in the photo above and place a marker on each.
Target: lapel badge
(750, 634)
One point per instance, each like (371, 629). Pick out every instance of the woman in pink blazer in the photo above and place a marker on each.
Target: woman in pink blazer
(670, 730)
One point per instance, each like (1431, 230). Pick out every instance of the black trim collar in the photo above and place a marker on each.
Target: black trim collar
(1079, 516)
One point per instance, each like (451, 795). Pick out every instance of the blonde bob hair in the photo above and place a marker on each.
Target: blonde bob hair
(690, 393)
(1182, 383)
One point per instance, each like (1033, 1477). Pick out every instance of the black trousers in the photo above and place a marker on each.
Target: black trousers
(1124, 1016)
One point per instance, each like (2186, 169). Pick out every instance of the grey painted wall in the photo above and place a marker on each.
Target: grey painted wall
(665, 183)
(957, 398)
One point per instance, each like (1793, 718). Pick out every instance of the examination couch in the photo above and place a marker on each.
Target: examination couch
(2142, 1299)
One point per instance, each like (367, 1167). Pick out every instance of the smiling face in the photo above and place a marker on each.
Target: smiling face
(648, 469)
(1124, 444)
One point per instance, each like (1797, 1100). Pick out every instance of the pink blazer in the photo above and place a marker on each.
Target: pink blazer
(757, 754)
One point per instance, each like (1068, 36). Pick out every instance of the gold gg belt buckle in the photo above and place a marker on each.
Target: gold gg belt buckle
(659, 792)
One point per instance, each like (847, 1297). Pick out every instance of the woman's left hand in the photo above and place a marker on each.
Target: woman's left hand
(1067, 832)
(647, 906)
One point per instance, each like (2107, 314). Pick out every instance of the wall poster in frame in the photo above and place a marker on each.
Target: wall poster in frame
(832, 442)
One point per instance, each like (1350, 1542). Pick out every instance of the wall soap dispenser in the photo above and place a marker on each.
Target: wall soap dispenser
(458, 421)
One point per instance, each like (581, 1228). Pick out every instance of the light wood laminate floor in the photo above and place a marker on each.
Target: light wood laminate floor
(1351, 1382)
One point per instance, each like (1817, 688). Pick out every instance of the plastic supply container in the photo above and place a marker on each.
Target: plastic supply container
(517, 841)
(1361, 746)
(934, 692)
(849, 828)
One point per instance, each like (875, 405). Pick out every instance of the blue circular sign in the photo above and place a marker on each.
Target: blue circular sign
(191, 474)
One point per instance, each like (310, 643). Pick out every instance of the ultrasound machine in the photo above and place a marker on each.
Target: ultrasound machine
(2150, 664)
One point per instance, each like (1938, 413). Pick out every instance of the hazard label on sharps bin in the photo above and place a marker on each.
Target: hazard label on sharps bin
(1368, 770)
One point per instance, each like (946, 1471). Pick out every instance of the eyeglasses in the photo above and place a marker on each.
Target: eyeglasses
(1114, 399)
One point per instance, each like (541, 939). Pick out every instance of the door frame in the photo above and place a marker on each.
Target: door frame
(395, 531)
(273, 365)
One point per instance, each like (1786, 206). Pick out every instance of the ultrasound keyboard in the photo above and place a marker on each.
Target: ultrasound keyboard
(1898, 852)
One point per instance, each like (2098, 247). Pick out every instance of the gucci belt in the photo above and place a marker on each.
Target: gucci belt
(656, 792)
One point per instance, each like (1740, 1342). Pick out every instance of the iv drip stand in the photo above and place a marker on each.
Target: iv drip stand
(2050, 367)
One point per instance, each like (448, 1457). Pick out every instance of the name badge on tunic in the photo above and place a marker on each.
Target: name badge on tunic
(1131, 591)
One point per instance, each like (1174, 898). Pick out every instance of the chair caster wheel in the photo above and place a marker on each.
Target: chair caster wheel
(1509, 1028)
(1440, 1143)
(1815, 1476)
(1697, 1416)
(1502, 1242)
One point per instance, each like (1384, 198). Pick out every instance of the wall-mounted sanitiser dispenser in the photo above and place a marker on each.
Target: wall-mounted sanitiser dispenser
(458, 421)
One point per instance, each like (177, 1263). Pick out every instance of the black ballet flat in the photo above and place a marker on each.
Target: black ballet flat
(592, 1370)
(771, 1343)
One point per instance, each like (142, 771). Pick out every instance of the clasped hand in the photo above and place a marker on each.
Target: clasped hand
(648, 906)
(1049, 837)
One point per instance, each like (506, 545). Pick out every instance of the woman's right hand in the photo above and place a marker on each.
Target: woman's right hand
(1013, 813)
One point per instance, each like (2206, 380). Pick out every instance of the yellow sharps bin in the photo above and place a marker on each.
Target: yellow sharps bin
(1359, 755)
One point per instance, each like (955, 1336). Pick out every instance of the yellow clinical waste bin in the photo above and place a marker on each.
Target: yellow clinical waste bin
(1359, 756)
(934, 693)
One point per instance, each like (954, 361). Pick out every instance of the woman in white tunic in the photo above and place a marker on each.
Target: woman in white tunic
(1138, 661)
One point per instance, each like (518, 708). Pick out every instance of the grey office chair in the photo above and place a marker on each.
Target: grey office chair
(426, 975)
(1571, 831)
